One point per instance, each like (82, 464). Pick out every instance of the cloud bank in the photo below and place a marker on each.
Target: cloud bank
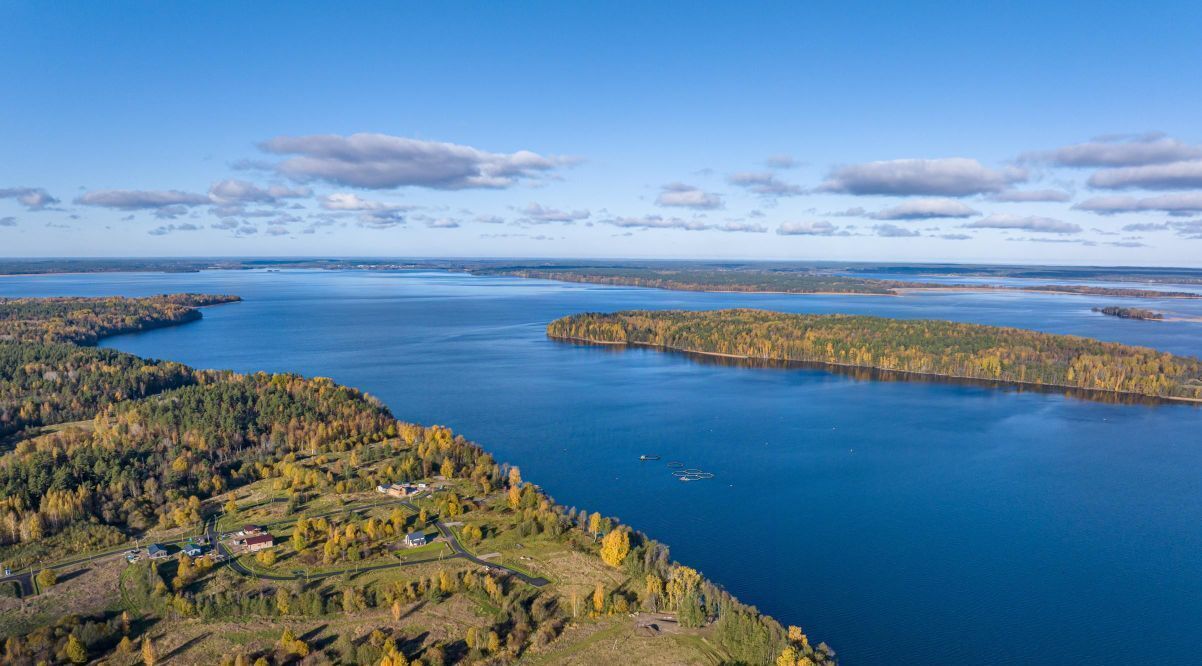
(382, 161)
(1172, 176)
(1186, 203)
(821, 228)
(764, 183)
(1024, 223)
(1120, 151)
(33, 198)
(952, 176)
(925, 209)
(687, 196)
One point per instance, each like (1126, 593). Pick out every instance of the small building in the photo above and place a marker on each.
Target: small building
(251, 530)
(193, 550)
(396, 490)
(259, 542)
(415, 539)
(156, 551)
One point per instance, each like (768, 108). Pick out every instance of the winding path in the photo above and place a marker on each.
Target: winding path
(25, 580)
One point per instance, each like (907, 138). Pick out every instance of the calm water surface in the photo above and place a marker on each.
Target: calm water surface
(900, 522)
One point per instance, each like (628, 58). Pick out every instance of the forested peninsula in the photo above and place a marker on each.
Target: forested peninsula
(929, 347)
(151, 511)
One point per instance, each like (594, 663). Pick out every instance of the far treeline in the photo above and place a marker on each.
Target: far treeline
(711, 280)
(752, 280)
(941, 348)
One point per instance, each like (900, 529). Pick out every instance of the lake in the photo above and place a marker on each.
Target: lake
(901, 522)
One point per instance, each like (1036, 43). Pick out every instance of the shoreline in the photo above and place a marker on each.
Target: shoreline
(903, 373)
(894, 291)
(1027, 290)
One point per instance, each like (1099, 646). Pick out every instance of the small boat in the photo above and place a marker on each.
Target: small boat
(647, 457)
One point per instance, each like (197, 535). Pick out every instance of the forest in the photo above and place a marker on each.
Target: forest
(46, 377)
(933, 347)
(159, 448)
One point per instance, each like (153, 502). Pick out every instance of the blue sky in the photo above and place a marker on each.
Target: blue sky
(907, 132)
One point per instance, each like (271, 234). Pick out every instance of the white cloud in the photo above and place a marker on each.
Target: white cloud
(8, 221)
(1127, 244)
(951, 176)
(821, 228)
(687, 196)
(1172, 176)
(659, 222)
(372, 214)
(538, 214)
(780, 162)
(765, 183)
(1147, 226)
(1120, 151)
(142, 199)
(744, 227)
(894, 231)
(1024, 223)
(1191, 229)
(1024, 196)
(231, 191)
(1186, 203)
(33, 198)
(347, 201)
(925, 209)
(172, 228)
(382, 161)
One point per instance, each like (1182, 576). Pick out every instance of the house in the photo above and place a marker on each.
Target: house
(415, 539)
(156, 551)
(251, 530)
(396, 490)
(193, 550)
(259, 542)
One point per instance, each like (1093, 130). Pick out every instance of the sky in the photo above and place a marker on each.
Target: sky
(975, 132)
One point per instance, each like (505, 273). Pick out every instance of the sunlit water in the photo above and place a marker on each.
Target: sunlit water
(900, 522)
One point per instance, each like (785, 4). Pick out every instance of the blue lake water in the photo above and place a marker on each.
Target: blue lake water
(902, 522)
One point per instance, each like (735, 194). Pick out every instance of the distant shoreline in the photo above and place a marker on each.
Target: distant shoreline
(900, 373)
(1028, 290)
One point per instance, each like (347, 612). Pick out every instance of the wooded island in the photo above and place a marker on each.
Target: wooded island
(1129, 313)
(932, 347)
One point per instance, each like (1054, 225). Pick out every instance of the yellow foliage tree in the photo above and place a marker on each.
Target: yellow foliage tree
(614, 547)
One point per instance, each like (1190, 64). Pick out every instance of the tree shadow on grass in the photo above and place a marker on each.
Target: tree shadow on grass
(185, 645)
(412, 609)
(316, 640)
(70, 575)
